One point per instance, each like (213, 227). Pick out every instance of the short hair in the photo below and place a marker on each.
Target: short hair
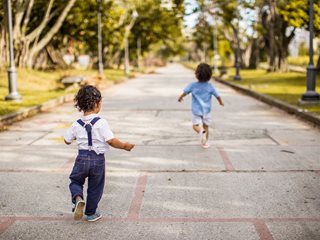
(203, 72)
(87, 98)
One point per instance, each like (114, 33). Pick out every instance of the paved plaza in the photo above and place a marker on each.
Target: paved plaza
(259, 180)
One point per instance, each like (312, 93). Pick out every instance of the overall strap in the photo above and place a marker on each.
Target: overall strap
(88, 128)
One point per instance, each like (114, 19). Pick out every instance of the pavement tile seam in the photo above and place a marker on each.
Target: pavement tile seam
(260, 224)
(63, 170)
(10, 219)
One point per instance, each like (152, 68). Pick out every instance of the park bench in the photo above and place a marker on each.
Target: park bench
(73, 80)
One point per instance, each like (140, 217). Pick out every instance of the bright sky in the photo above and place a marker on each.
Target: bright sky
(190, 20)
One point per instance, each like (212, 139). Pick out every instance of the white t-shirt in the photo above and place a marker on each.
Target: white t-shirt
(101, 133)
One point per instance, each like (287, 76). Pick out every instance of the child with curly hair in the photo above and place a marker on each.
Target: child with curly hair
(93, 136)
(202, 92)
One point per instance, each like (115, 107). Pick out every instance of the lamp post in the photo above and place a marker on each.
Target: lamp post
(215, 47)
(128, 28)
(237, 77)
(311, 95)
(100, 63)
(12, 73)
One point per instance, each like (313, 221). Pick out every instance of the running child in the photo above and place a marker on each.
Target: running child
(93, 136)
(202, 92)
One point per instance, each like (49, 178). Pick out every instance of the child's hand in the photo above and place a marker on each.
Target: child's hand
(128, 146)
(181, 97)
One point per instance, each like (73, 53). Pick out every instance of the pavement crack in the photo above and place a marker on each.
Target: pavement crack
(266, 132)
(39, 138)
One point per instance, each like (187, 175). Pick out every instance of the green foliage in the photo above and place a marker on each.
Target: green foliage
(296, 13)
(154, 24)
(225, 52)
(302, 61)
(157, 24)
(303, 50)
(80, 28)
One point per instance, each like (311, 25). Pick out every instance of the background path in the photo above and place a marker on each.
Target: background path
(258, 180)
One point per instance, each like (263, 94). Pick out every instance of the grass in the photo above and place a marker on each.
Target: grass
(301, 61)
(287, 87)
(37, 87)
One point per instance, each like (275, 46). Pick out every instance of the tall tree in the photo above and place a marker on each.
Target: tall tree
(35, 24)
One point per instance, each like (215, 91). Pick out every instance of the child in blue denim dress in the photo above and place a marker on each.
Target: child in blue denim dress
(202, 92)
(93, 136)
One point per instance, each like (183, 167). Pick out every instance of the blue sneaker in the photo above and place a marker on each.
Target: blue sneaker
(93, 217)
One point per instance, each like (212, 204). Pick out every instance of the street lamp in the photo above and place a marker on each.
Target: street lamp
(311, 95)
(100, 63)
(215, 47)
(126, 42)
(237, 77)
(12, 73)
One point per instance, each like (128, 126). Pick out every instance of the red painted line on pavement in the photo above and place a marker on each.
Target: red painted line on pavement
(138, 197)
(262, 230)
(5, 223)
(226, 160)
(259, 221)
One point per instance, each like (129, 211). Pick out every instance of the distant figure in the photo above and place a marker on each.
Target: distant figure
(202, 92)
(93, 136)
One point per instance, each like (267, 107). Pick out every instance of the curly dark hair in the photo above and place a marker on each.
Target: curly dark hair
(87, 98)
(203, 72)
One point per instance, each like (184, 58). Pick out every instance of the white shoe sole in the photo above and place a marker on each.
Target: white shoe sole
(78, 210)
(203, 138)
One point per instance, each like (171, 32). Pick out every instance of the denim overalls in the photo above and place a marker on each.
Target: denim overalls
(91, 165)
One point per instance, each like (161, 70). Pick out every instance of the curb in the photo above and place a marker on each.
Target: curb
(276, 103)
(11, 118)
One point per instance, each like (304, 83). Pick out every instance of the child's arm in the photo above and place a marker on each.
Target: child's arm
(220, 101)
(182, 96)
(116, 143)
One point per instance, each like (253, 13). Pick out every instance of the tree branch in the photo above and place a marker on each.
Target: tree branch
(27, 16)
(35, 33)
(49, 35)
(20, 10)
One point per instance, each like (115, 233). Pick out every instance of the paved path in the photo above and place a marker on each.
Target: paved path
(259, 180)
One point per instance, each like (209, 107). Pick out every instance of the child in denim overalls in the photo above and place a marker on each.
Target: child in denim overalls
(93, 136)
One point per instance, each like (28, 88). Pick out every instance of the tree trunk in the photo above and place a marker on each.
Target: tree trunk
(255, 54)
(272, 35)
(49, 35)
(3, 49)
(277, 42)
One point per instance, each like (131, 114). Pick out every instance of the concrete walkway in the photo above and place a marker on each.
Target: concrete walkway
(260, 179)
